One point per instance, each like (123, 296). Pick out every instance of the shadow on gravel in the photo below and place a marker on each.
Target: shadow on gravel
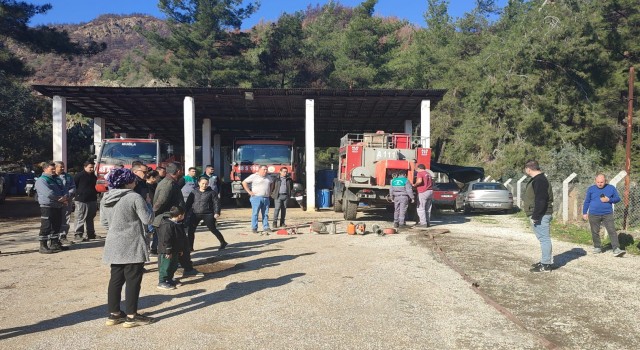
(564, 258)
(91, 314)
(241, 267)
(233, 291)
(76, 246)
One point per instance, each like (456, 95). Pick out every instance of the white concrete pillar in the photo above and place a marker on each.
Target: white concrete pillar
(189, 132)
(565, 197)
(99, 131)
(60, 128)
(309, 146)
(206, 142)
(519, 190)
(408, 127)
(425, 123)
(217, 154)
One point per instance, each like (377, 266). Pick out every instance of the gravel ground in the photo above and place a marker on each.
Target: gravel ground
(318, 291)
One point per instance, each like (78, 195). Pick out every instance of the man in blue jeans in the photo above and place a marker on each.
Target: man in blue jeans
(538, 205)
(260, 190)
(598, 209)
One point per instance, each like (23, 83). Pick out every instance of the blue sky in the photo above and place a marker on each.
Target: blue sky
(76, 11)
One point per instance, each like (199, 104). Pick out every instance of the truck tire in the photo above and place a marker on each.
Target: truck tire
(350, 209)
(337, 203)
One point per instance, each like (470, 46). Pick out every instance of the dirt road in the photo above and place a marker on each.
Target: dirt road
(329, 291)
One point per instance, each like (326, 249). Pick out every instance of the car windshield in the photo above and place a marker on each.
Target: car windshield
(264, 154)
(126, 151)
(489, 186)
(445, 186)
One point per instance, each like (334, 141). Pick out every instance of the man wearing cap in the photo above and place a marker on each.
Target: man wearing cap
(66, 182)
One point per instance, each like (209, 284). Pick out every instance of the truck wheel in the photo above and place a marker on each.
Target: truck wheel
(337, 204)
(350, 209)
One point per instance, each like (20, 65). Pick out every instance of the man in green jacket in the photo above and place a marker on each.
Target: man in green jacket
(538, 205)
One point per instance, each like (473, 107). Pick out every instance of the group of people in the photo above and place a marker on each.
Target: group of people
(138, 206)
(597, 209)
(401, 193)
(58, 196)
(261, 189)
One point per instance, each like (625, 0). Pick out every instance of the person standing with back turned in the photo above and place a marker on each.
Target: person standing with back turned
(424, 184)
(598, 209)
(538, 205)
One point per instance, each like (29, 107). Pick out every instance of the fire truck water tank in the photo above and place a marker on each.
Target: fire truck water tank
(360, 175)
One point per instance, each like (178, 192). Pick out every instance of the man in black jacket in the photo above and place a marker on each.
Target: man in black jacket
(538, 205)
(281, 193)
(86, 202)
(168, 195)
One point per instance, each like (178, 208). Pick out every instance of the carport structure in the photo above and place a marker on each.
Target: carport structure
(219, 115)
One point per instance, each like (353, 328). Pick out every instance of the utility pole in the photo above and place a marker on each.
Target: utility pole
(627, 180)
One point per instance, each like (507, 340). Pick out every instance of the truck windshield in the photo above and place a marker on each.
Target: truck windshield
(129, 151)
(263, 154)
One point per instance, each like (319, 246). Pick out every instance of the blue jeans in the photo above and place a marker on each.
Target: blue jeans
(543, 233)
(259, 204)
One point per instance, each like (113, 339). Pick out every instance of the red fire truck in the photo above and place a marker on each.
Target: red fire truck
(276, 153)
(367, 162)
(124, 151)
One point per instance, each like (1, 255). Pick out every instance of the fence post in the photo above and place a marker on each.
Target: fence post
(565, 197)
(519, 190)
(614, 182)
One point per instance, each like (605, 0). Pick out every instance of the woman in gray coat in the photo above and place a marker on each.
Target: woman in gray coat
(124, 213)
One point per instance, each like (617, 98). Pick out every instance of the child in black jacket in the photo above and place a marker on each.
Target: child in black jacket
(171, 243)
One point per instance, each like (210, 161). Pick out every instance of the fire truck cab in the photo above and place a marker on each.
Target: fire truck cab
(124, 151)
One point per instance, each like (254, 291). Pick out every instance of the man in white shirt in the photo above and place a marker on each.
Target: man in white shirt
(259, 191)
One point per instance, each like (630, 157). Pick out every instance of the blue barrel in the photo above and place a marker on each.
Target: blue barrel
(323, 198)
(21, 183)
(324, 178)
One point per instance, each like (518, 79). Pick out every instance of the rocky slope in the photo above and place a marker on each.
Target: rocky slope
(123, 40)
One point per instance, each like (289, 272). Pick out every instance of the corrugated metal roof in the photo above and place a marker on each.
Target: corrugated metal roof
(237, 112)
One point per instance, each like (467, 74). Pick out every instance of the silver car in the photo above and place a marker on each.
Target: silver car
(484, 196)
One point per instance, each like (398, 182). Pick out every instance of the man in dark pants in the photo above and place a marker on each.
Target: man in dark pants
(281, 194)
(51, 199)
(66, 182)
(168, 194)
(538, 205)
(86, 202)
(401, 193)
(598, 209)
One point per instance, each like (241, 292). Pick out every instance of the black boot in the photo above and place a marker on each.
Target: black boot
(282, 223)
(44, 249)
(56, 246)
(275, 224)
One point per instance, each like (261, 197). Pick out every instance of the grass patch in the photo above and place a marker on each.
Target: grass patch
(581, 234)
(485, 219)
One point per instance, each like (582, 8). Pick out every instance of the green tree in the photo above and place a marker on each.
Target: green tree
(365, 48)
(278, 52)
(24, 118)
(204, 46)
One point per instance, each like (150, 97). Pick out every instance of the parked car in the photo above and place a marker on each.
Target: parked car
(484, 196)
(445, 194)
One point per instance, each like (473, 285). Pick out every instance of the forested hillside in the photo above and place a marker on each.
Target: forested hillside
(535, 79)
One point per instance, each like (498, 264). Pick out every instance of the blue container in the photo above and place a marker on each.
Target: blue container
(21, 183)
(324, 178)
(12, 184)
(323, 198)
